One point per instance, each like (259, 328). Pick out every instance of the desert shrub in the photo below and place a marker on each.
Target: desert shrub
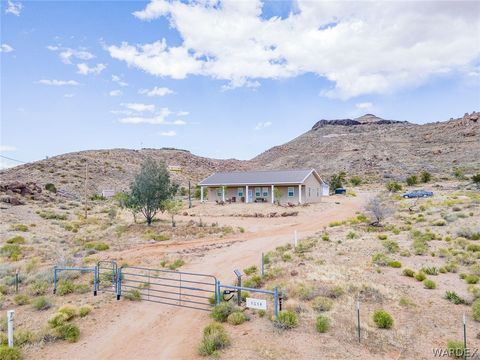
(476, 310)
(214, 338)
(439, 222)
(98, 246)
(395, 264)
(454, 298)
(253, 282)
(23, 337)
(67, 331)
(150, 234)
(304, 291)
(286, 320)
(393, 186)
(82, 288)
(236, 318)
(57, 320)
(472, 279)
(84, 310)
(133, 295)
(420, 246)
(473, 247)
(420, 276)
(286, 256)
(432, 270)
(456, 348)
(10, 353)
(42, 303)
(65, 287)
(406, 302)
(322, 324)
(380, 259)
(411, 180)
(322, 303)
(11, 251)
(38, 287)
(221, 311)
(382, 319)
(351, 235)
(429, 284)
(177, 263)
(425, 177)
(51, 215)
(69, 311)
(325, 237)
(50, 187)
(16, 240)
(250, 270)
(21, 299)
(408, 272)
(391, 246)
(382, 236)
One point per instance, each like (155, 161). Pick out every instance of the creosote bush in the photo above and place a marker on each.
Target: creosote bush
(214, 338)
(8, 353)
(286, 320)
(429, 284)
(383, 319)
(221, 311)
(68, 331)
(321, 303)
(84, 310)
(322, 324)
(42, 303)
(69, 311)
(236, 318)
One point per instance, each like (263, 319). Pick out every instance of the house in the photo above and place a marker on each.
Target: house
(294, 186)
(108, 193)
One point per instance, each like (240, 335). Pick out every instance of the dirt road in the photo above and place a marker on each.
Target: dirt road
(129, 330)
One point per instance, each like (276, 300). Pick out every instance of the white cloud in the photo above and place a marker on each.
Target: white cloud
(160, 118)
(168, 133)
(139, 107)
(118, 80)
(6, 48)
(84, 69)
(58, 82)
(7, 148)
(67, 54)
(68, 95)
(156, 91)
(13, 8)
(182, 113)
(364, 105)
(115, 93)
(343, 42)
(263, 125)
(52, 47)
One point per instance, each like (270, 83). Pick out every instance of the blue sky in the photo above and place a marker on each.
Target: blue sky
(223, 79)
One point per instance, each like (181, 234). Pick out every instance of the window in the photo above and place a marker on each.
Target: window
(240, 192)
(219, 191)
(291, 192)
(265, 192)
(258, 192)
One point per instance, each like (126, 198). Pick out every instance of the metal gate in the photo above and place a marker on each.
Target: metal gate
(106, 277)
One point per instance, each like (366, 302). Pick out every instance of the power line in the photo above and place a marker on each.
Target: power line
(8, 158)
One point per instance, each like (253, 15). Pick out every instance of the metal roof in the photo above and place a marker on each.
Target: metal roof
(266, 177)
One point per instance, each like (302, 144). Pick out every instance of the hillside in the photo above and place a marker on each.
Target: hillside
(375, 147)
(369, 146)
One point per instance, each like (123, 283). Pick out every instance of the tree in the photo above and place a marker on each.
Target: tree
(355, 180)
(425, 176)
(412, 180)
(151, 188)
(337, 180)
(173, 207)
(393, 186)
(125, 202)
(476, 179)
(277, 194)
(379, 209)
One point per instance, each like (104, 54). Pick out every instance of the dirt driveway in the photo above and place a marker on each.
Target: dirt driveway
(130, 330)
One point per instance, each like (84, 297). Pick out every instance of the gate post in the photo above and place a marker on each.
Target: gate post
(119, 283)
(55, 279)
(217, 292)
(95, 280)
(275, 299)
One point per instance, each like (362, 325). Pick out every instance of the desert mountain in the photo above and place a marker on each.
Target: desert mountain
(368, 146)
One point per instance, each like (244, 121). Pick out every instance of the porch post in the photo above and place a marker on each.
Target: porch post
(300, 193)
(273, 195)
(223, 193)
(246, 194)
(201, 194)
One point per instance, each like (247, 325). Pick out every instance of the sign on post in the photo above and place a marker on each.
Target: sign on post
(10, 314)
(257, 304)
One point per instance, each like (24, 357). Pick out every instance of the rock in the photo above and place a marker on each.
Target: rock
(12, 200)
(294, 272)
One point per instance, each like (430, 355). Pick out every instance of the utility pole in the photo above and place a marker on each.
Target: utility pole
(86, 192)
(189, 195)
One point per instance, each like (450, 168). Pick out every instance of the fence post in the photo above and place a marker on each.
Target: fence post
(217, 292)
(119, 283)
(464, 337)
(263, 265)
(10, 314)
(95, 281)
(275, 300)
(16, 281)
(55, 279)
(358, 320)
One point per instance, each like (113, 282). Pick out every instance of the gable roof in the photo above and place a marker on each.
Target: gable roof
(266, 177)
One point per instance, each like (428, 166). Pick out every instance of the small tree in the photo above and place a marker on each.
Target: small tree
(337, 180)
(355, 180)
(476, 179)
(393, 186)
(459, 173)
(379, 209)
(412, 180)
(425, 176)
(151, 188)
(173, 207)
(277, 194)
(125, 202)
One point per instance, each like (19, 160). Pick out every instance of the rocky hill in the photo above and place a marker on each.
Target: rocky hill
(368, 146)
(373, 147)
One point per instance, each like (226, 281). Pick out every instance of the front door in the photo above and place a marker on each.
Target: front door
(250, 195)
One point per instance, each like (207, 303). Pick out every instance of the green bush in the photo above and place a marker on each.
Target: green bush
(472, 279)
(98, 246)
(21, 299)
(236, 318)
(380, 259)
(19, 227)
(65, 287)
(454, 298)
(411, 180)
(391, 246)
(322, 324)
(456, 348)
(351, 235)
(221, 311)
(16, 240)
(439, 222)
(430, 270)
(214, 338)
(50, 187)
(322, 303)
(84, 310)
(473, 247)
(57, 319)
(69, 311)
(408, 272)
(250, 270)
(476, 310)
(177, 263)
(67, 331)
(11, 251)
(51, 215)
(8, 353)
(382, 319)
(286, 320)
(429, 284)
(253, 282)
(133, 295)
(42, 303)
(425, 177)
(382, 236)
(355, 180)
(38, 287)
(393, 186)
(395, 264)
(420, 276)
(23, 337)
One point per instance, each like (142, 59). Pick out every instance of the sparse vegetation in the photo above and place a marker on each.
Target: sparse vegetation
(383, 319)
(454, 298)
(133, 295)
(221, 311)
(429, 284)
(214, 338)
(42, 303)
(286, 320)
(322, 324)
(236, 318)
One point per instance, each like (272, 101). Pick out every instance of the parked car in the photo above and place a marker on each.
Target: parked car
(417, 194)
